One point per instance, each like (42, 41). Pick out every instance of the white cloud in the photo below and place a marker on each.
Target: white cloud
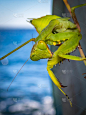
(14, 14)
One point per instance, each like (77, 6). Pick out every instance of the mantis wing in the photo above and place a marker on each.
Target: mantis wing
(41, 23)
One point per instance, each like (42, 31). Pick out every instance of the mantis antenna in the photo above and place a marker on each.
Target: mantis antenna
(17, 74)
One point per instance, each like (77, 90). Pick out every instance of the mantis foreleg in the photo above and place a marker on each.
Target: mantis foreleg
(57, 83)
(33, 39)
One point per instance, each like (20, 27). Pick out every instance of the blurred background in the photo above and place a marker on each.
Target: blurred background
(32, 92)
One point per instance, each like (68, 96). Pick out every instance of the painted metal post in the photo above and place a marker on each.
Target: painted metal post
(70, 73)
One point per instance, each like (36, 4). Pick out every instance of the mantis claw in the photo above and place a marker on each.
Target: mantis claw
(68, 60)
(62, 86)
(67, 97)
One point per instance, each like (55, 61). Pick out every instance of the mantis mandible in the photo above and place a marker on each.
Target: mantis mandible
(53, 30)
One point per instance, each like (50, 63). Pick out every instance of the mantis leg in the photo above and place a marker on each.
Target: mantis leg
(72, 57)
(54, 39)
(33, 39)
(69, 46)
(57, 83)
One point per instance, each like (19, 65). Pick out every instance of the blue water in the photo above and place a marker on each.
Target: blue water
(31, 92)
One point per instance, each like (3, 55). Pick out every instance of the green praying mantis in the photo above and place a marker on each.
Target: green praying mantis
(53, 30)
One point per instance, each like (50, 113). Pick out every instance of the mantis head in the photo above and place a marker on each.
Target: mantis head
(39, 51)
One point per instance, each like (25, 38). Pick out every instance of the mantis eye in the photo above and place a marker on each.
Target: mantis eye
(42, 45)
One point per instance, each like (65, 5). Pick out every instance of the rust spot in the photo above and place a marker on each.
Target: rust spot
(85, 77)
(83, 73)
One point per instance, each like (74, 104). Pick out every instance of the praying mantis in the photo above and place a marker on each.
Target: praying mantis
(53, 30)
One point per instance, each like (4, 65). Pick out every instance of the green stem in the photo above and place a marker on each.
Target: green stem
(74, 16)
(73, 8)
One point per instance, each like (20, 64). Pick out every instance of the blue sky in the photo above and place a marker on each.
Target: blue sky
(14, 13)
